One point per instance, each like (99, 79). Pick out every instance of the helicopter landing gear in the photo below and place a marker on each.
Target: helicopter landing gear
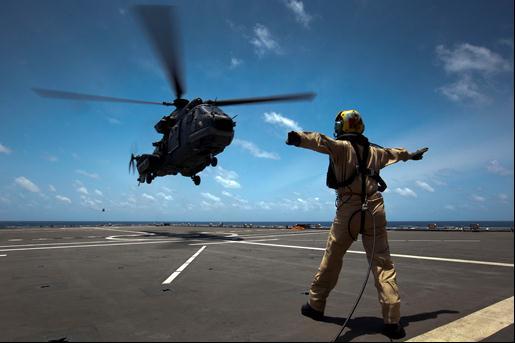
(149, 178)
(214, 161)
(196, 180)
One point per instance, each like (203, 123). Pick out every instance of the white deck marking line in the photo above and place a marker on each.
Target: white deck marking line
(51, 244)
(15, 240)
(113, 229)
(282, 235)
(499, 264)
(3, 255)
(129, 237)
(228, 242)
(472, 328)
(436, 240)
(181, 268)
(90, 245)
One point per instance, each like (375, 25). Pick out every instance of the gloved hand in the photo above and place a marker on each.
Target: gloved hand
(293, 138)
(419, 154)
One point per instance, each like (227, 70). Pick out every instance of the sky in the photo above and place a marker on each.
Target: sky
(422, 73)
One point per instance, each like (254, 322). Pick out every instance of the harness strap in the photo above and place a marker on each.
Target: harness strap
(332, 182)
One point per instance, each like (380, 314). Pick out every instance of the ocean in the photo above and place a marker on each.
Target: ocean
(465, 224)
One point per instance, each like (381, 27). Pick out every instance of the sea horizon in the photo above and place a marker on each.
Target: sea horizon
(498, 224)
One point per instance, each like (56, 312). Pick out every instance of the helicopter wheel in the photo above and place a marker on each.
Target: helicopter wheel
(196, 180)
(214, 161)
(149, 178)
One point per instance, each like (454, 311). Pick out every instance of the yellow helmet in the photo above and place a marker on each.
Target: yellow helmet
(348, 122)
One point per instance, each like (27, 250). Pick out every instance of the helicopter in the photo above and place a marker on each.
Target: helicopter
(196, 130)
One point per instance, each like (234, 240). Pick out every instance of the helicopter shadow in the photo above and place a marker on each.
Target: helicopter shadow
(191, 236)
(373, 325)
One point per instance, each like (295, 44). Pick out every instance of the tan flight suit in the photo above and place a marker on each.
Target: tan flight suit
(345, 161)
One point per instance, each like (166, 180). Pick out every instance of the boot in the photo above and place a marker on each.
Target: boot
(393, 331)
(310, 312)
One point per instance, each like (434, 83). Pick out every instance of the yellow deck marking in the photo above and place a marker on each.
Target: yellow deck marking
(473, 328)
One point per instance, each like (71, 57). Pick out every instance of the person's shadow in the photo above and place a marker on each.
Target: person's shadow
(373, 325)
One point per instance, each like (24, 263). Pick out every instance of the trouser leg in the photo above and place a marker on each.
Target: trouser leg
(327, 276)
(384, 274)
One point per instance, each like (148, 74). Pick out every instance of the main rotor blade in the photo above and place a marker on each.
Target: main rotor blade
(49, 93)
(274, 98)
(159, 22)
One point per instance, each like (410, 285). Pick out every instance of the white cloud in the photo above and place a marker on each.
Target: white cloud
(227, 178)
(90, 203)
(425, 186)
(463, 89)
(25, 183)
(148, 197)
(213, 202)
(263, 41)
(297, 7)
(63, 199)
(478, 198)
(164, 196)
(211, 197)
(265, 205)
(280, 120)
(237, 201)
(255, 150)
(85, 173)
(52, 188)
(468, 58)
(166, 189)
(474, 66)
(83, 190)
(503, 198)
(113, 121)
(51, 158)
(495, 167)
(406, 192)
(235, 62)
(227, 183)
(450, 207)
(296, 204)
(205, 205)
(4, 149)
(99, 192)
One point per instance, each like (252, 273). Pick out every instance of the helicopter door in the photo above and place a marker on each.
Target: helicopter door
(174, 141)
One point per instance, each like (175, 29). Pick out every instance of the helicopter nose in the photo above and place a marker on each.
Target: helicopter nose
(223, 123)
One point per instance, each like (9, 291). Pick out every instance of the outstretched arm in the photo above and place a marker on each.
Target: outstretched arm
(311, 140)
(394, 155)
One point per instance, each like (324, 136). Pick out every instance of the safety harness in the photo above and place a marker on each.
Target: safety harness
(361, 169)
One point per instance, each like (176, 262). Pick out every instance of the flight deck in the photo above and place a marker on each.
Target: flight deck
(169, 283)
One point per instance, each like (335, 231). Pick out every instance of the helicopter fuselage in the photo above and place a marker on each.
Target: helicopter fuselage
(192, 136)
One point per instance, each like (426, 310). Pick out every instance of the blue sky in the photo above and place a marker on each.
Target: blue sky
(431, 73)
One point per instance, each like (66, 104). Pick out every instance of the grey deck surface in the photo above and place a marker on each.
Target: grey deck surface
(76, 283)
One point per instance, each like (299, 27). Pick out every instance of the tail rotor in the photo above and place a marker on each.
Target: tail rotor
(132, 164)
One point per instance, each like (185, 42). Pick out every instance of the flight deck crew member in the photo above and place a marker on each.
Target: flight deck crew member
(343, 175)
